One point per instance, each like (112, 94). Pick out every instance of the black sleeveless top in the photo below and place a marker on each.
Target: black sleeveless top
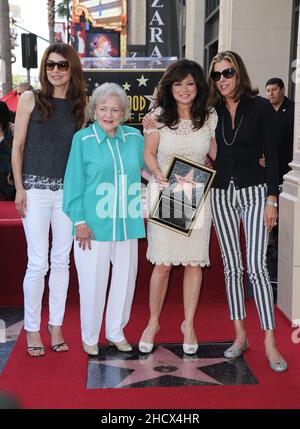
(47, 147)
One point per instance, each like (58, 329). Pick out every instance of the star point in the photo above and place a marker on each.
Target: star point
(151, 98)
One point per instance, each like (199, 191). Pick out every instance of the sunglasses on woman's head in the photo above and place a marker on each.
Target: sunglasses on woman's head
(61, 65)
(227, 73)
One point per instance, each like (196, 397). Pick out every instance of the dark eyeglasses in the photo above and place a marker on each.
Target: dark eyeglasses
(61, 65)
(227, 73)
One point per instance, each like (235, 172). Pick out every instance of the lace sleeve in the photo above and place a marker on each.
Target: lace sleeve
(212, 122)
(153, 115)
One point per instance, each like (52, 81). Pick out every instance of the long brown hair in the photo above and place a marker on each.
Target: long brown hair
(76, 89)
(176, 72)
(243, 88)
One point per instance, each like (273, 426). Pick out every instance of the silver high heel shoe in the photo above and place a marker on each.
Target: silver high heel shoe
(189, 349)
(233, 352)
(279, 366)
(147, 347)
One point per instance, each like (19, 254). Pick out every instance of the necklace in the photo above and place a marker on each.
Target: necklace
(235, 134)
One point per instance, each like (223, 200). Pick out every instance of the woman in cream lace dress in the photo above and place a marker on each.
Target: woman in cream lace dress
(181, 125)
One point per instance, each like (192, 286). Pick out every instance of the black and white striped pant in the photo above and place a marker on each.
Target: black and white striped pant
(229, 206)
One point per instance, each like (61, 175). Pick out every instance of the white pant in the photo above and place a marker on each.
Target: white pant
(93, 267)
(44, 208)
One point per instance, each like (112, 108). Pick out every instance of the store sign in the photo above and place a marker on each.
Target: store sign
(162, 28)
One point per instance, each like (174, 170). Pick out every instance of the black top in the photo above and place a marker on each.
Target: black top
(285, 129)
(252, 136)
(5, 162)
(48, 143)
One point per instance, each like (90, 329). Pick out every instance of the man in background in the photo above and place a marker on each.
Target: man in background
(284, 108)
(284, 123)
(284, 119)
(78, 41)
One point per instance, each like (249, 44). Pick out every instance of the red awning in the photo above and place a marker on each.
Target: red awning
(11, 99)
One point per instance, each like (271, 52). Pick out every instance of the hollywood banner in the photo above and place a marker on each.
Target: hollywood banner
(138, 84)
(164, 28)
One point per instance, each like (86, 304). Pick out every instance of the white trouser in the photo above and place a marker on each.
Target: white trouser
(93, 267)
(44, 208)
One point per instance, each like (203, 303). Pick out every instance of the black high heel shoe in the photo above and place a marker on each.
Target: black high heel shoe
(60, 347)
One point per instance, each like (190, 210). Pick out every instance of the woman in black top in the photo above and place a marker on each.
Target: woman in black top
(7, 190)
(44, 128)
(243, 189)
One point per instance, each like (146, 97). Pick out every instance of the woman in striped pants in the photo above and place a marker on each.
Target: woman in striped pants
(244, 190)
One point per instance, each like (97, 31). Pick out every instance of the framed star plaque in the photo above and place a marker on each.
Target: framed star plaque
(179, 203)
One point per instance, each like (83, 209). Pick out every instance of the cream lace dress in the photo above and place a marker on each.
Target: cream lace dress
(164, 245)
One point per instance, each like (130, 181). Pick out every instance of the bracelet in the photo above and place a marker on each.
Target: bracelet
(271, 203)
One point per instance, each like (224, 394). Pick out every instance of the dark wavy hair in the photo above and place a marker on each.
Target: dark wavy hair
(176, 72)
(4, 116)
(76, 89)
(244, 88)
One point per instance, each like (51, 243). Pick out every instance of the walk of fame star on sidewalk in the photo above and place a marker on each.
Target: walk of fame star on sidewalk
(163, 367)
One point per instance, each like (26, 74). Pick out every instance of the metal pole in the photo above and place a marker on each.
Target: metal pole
(28, 75)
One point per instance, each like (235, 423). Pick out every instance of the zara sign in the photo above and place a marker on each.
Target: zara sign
(162, 28)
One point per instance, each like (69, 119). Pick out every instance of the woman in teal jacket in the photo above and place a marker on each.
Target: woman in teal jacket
(102, 196)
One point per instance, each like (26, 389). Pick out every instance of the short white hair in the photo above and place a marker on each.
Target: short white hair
(105, 91)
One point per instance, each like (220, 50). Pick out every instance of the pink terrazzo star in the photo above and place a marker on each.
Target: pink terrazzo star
(153, 367)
